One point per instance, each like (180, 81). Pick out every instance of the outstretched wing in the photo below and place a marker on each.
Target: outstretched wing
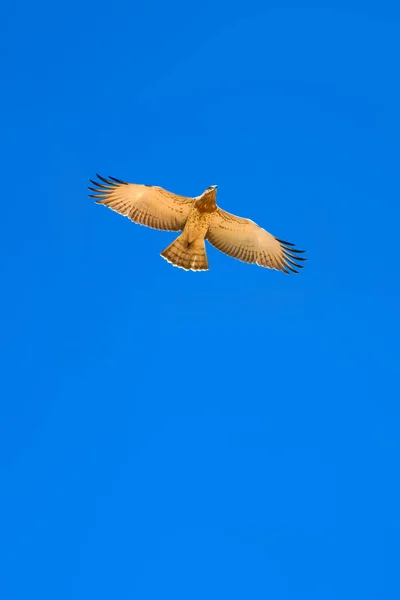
(245, 240)
(144, 204)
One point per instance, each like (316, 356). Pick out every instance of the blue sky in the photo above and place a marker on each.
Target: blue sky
(229, 434)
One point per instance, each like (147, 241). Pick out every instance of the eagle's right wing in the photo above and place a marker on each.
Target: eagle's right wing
(144, 204)
(245, 240)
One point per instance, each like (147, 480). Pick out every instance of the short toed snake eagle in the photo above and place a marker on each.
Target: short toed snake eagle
(199, 219)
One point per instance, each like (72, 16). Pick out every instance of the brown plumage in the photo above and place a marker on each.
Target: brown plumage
(199, 219)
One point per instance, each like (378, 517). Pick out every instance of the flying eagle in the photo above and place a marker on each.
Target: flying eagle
(199, 219)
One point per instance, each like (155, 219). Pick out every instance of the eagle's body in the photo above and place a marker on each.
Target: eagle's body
(199, 219)
(188, 250)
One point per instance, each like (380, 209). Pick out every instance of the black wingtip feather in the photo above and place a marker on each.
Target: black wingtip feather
(289, 247)
(103, 179)
(95, 190)
(117, 180)
(297, 251)
(283, 242)
(100, 185)
(288, 261)
(291, 268)
(295, 257)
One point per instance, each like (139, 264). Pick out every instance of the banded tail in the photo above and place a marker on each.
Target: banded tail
(189, 256)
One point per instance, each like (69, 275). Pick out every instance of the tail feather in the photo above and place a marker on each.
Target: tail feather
(188, 256)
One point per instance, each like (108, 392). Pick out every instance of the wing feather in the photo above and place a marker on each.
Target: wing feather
(143, 204)
(245, 240)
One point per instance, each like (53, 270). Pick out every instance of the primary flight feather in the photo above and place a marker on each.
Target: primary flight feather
(199, 219)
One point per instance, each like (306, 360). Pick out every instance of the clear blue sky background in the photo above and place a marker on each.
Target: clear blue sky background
(230, 434)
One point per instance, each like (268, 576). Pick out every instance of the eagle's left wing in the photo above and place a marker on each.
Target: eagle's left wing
(144, 204)
(245, 240)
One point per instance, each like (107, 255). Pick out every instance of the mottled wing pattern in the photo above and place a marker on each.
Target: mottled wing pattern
(245, 240)
(143, 204)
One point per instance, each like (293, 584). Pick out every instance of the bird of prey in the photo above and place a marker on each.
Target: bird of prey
(199, 219)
